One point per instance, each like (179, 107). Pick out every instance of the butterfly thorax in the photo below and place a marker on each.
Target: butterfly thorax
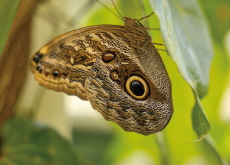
(137, 33)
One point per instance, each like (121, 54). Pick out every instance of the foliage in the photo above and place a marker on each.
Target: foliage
(26, 142)
(169, 146)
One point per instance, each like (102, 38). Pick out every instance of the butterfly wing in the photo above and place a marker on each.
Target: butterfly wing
(64, 63)
(116, 68)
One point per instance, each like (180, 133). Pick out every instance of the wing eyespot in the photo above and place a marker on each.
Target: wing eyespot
(108, 56)
(39, 68)
(137, 87)
(37, 57)
(114, 75)
(56, 74)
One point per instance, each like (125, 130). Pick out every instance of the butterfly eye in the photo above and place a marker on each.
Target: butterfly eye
(56, 73)
(108, 56)
(137, 87)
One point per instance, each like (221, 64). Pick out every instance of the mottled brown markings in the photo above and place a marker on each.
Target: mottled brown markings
(107, 36)
(80, 44)
(94, 44)
(99, 36)
(67, 50)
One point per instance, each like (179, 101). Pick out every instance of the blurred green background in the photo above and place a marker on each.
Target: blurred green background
(104, 143)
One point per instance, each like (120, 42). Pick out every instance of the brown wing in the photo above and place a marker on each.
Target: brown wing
(116, 68)
(63, 64)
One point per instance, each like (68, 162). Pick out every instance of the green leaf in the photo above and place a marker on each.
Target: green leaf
(163, 148)
(218, 14)
(212, 153)
(26, 142)
(187, 40)
(199, 119)
(87, 142)
(7, 11)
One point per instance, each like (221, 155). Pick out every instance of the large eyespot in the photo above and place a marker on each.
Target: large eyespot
(108, 56)
(137, 87)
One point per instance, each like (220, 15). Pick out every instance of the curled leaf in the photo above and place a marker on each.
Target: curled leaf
(186, 36)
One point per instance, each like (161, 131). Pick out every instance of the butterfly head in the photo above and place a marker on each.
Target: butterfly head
(129, 22)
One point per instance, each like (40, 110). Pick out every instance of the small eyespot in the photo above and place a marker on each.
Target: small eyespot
(137, 87)
(56, 73)
(39, 68)
(37, 57)
(114, 75)
(108, 56)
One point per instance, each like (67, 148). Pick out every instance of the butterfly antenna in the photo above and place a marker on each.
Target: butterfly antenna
(146, 16)
(117, 11)
(121, 18)
(157, 43)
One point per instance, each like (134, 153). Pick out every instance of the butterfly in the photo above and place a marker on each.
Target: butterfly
(116, 68)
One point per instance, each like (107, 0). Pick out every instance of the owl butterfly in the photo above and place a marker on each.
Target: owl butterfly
(116, 68)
